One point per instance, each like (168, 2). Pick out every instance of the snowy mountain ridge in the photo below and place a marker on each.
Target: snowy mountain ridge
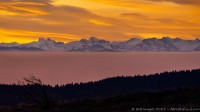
(165, 44)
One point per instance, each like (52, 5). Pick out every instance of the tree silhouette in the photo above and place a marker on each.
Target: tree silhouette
(35, 91)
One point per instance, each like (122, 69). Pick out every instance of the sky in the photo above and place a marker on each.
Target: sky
(24, 21)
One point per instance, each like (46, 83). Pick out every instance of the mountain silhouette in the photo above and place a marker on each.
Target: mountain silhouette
(165, 44)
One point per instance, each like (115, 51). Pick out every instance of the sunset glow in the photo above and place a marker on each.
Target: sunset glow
(68, 20)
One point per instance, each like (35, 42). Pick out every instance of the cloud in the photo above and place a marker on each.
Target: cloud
(24, 7)
(44, 10)
(185, 2)
(27, 36)
(166, 21)
(134, 15)
(107, 19)
(27, 16)
(136, 2)
(97, 22)
(28, 1)
(174, 21)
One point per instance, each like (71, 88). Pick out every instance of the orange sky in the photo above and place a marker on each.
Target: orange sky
(67, 20)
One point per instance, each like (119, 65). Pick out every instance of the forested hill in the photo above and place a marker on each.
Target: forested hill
(112, 86)
(126, 85)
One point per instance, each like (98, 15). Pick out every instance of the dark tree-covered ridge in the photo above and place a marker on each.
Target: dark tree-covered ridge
(112, 86)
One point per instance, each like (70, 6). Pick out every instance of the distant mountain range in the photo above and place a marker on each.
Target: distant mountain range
(165, 44)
